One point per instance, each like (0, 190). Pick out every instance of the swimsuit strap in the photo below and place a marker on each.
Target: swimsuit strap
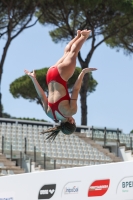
(53, 75)
(54, 106)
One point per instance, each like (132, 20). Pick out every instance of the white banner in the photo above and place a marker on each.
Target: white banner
(104, 182)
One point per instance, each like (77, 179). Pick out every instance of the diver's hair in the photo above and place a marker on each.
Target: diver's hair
(66, 128)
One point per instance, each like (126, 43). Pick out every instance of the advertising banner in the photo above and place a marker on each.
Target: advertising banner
(97, 182)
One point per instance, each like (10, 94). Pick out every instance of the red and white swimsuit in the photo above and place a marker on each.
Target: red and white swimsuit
(53, 75)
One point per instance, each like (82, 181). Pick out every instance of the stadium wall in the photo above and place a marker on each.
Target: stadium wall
(109, 181)
(126, 155)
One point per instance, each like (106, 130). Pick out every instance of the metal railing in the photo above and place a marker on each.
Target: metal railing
(24, 155)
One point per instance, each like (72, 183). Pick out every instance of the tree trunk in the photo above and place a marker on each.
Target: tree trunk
(1, 105)
(84, 87)
(83, 100)
(1, 109)
(5, 49)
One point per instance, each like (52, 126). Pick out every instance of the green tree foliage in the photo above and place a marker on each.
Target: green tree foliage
(124, 37)
(23, 86)
(106, 19)
(15, 16)
(123, 40)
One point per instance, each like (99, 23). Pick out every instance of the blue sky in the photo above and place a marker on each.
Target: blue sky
(111, 105)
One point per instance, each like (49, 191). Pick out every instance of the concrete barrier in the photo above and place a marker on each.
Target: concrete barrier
(108, 181)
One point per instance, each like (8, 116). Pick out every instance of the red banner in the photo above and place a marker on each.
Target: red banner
(98, 188)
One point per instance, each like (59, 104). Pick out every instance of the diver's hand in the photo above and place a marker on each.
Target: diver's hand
(30, 74)
(87, 70)
(71, 120)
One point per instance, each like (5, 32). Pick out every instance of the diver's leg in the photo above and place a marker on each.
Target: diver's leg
(68, 48)
(67, 67)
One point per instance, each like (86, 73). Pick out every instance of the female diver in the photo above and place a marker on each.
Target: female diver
(59, 106)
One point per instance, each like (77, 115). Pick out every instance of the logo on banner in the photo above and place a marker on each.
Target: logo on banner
(71, 188)
(127, 184)
(47, 191)
(98, 188)
(125, 187)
